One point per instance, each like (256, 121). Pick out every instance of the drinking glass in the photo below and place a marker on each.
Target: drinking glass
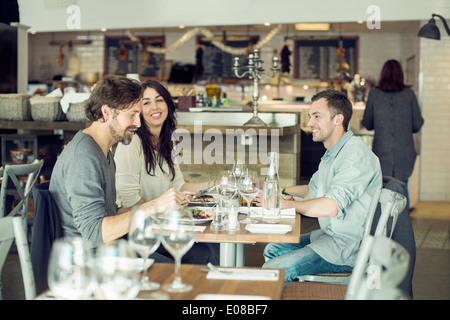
(144, 237)
(117, 273)
(177, 237)
(248, 189)
(226, 185)
(217, 219)
(69, 270)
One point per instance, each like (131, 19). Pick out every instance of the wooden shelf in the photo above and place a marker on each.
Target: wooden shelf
(41, 125)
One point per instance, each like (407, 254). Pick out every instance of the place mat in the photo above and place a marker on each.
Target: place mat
(194, 228)
(256, 212)
(268, 228)
(244, 274)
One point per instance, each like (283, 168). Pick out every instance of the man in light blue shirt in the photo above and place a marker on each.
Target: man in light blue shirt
(338, 194)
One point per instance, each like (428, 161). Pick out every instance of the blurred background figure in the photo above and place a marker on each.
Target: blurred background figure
(393, 112)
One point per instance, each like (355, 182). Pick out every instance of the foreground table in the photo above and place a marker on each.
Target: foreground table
(232, 243)
(193, 275)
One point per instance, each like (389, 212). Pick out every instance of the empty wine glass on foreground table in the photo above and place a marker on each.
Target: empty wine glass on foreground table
(177, 238)
(117, 274)
(69, 271)
(248, 189)
(144, 237)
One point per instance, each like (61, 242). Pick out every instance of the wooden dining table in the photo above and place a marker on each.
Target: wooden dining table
(232, 250)
(195, 275)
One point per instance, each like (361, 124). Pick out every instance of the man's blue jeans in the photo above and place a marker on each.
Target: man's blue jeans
(297, 259)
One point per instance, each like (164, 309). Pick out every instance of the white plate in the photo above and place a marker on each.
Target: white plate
(268, 228)
(200, 203)
(196, 204)
(198, 221)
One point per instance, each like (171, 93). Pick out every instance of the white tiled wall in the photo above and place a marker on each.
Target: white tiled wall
(435, 138)
(42, 55)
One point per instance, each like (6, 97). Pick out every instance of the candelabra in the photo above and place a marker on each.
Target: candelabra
(255, 71)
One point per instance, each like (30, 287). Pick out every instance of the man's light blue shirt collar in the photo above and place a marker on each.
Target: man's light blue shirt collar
(335, 150)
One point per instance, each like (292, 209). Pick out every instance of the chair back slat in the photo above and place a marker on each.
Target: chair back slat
(12, 173)
(381, 264)
(11, 229)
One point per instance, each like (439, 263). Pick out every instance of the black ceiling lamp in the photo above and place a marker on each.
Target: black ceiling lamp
(431, 31)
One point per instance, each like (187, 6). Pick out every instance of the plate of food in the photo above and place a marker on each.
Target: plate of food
(200, 214)
(207, 200)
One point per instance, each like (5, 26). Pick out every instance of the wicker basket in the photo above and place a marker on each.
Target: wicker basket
(46, 109)
(19, 155)
(76, 112)
(15, 106)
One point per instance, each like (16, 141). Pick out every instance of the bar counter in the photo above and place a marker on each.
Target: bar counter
(212, 140)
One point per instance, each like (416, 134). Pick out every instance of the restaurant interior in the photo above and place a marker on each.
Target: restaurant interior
(200, 51)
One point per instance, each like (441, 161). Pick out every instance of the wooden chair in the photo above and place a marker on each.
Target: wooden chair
(11, 178)
(11, 229)
(313, 291)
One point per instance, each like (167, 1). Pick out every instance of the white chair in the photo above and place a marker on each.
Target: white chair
(11, 229)
(392, 204)
(12, 172)
(380, 267)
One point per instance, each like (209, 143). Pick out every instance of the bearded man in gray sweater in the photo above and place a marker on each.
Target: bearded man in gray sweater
(83, 179)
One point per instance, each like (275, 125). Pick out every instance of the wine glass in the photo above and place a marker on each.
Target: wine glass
(226, 185)
(116, 271)
(144, 237)
(177, 238)
(248, 189)
(69, 270)
(239, 170)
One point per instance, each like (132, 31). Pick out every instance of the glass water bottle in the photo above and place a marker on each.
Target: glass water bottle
(272, 192)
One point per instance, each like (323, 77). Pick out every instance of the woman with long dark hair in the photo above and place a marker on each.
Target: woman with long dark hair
(145, 170)
(393, 112)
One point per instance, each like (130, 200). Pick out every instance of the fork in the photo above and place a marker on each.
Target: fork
(203, 192)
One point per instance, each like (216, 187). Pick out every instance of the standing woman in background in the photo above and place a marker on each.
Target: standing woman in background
(393, 112)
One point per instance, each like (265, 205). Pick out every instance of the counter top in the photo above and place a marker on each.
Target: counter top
(293, 107)
(43, 125)
(224, 122)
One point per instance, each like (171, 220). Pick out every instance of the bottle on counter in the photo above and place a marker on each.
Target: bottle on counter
(272, 192)
(200, 101)
(225, 100)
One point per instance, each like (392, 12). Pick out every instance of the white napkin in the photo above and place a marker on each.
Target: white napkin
(268, 228)
(244, 274)
(73, 97)
(199, 228)
(55, 93)
(256, 212)
(194, 228)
